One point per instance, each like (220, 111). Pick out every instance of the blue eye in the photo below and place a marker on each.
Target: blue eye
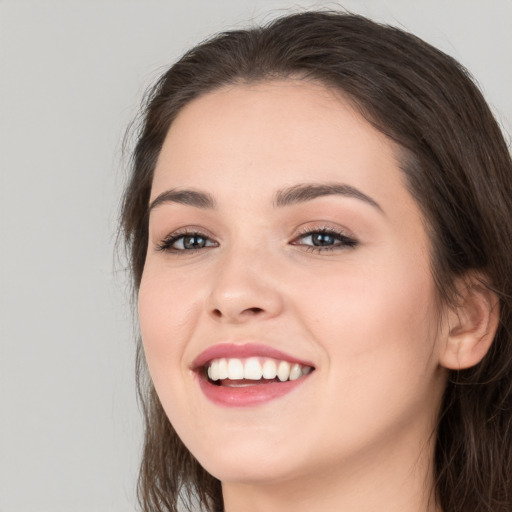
(324, 239)
(186, 242)
(314, 240)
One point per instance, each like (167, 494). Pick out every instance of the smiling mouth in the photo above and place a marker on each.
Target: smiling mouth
(244, 372)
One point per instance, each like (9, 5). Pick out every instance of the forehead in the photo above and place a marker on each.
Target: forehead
(278, 133)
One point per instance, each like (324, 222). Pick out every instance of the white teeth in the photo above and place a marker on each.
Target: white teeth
(283, 371)
(295, 372)
(235, 369)
(269, 369)
(254, 369)
(223, 369)
(213, 370)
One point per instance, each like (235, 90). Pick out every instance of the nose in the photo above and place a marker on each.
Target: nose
(246, 287)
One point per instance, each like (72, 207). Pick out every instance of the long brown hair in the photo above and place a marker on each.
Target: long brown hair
(458, 168)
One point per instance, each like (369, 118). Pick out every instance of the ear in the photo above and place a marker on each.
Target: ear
(472, 325)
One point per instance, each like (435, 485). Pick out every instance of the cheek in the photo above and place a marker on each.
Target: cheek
(165, 323)
(378, 334)
(380, 318)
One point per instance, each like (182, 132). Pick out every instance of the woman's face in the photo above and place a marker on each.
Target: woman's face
(281, 230)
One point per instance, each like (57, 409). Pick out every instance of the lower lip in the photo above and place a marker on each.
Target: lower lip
(248, 395)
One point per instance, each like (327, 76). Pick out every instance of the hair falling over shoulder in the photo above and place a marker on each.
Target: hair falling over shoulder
(458, 168)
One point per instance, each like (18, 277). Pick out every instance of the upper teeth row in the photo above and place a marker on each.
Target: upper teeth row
(255, 368)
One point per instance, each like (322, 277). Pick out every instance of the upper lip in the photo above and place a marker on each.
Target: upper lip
(233, 350)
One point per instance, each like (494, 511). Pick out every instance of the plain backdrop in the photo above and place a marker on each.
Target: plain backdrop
(72, 74)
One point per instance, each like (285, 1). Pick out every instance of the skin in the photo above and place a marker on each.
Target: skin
(357, 434)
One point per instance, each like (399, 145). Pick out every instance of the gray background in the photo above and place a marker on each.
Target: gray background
(71, 77)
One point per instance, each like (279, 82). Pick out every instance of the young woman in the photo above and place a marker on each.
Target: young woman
(319, 221)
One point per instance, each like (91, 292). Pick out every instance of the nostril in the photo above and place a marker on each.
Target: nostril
(253, 311)
(245, 312)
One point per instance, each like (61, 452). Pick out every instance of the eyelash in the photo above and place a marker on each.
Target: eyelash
(342, 241)
(166, 245)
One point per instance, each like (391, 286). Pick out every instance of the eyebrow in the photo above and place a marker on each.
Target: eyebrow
(188, 197)
(300, 193)
(309, 191)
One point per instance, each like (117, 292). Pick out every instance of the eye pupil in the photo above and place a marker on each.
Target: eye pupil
(194, 242)
(320, 239)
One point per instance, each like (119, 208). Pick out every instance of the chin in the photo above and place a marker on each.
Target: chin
(250, 462)
(250, 470)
